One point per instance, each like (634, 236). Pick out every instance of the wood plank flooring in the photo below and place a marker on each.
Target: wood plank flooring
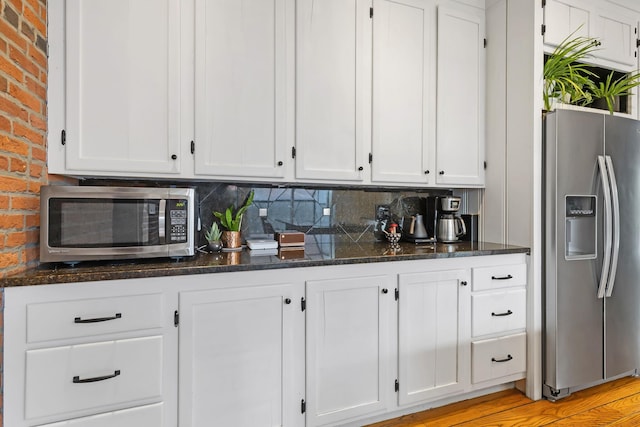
(612, 404)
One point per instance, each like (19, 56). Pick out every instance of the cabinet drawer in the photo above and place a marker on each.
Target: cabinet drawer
(498, 357)
(59, 380)
(497, 312)
(499, 276)
(90, 317)
(143, 416)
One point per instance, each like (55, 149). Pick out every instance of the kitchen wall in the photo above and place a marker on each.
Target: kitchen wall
(23, 80)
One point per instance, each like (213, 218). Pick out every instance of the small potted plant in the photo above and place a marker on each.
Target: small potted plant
(213, 236)
(232, 223)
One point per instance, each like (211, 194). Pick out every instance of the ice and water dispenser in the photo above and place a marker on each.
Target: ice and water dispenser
(581, 227)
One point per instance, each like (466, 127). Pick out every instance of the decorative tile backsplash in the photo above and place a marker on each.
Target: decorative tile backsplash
(316, 211)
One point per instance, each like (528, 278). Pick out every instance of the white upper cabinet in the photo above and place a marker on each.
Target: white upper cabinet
(243, 84)
(121, 83)
(460, 97)
(613, 23)
(403, 138)
(563, 17)
(333, 89)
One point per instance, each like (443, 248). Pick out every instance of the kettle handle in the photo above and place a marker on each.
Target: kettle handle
(463, 228)
(413, 224)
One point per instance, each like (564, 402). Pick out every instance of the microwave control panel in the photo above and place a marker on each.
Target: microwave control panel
(177, 220)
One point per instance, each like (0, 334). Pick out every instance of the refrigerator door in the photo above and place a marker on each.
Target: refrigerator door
(573, 250)
(622, 308)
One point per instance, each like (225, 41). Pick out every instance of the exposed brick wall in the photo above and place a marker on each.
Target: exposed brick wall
(23, 112)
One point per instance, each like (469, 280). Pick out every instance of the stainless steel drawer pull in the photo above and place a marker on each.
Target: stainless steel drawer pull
(507, 313)
(493, 359)
(77, 380)
(97, 319)
(507, 277)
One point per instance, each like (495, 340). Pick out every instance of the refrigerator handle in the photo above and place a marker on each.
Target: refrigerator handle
(616, 226)
(606, 260)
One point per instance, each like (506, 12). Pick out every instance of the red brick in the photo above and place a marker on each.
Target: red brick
(33, 236)
(11, 34)
(3, 84)
(35, 170)
(32, 220)
(34, 19)
(34, 186)
(5, 124)
(16, 239)
(38, 154)
(17, 165)
(9, 259)
(31, 255)
(27, 99)
(38, 56)
(25, 203)
(36, 87)
(13, 146)
(11, 221)
(25, 63)
(10, 184)
(12, 109)
(4, 163)
(17, 4)
(10, 68)
(4, 203)
(37, 122)
(3, 45)
(30, 134)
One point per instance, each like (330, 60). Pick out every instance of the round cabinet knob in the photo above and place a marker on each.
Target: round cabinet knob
(463, 283)
(426, 172)
(441, 172)
(385, 290)
(287, 301)
(361, 168)
(280, 163)
(174, 157)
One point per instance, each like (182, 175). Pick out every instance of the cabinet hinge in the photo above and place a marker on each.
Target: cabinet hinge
(397, 386)
(485, 164)
(293, 152)
(544, 3)
(397, 294)
(176, 318)
(370, 158)
(193, 147)
(484, 43)
(303, 304)
(303, 406)
(543, 29)
(637, 45)
(63, 137)
(370, 12)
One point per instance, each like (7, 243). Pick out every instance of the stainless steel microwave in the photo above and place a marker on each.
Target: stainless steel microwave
(105, 223)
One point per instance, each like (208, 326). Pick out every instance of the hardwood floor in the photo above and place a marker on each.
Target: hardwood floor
(612, 404)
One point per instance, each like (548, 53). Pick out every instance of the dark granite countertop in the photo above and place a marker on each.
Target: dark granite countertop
(321, 250)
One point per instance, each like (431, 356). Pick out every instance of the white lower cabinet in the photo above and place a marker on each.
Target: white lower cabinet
(150, 415)
(348, 348)
(236, 357)
(432, 335)
(316, 346)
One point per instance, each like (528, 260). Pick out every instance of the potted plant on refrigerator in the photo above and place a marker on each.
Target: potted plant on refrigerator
(232, 222)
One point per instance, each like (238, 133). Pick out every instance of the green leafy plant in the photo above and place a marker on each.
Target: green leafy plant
(214, 233)
(565, 77)
(231, 221)
(610, 89)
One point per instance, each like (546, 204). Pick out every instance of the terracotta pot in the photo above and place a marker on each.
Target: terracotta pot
(231, 239)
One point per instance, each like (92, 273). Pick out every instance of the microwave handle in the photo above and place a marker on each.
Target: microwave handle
(162, 219)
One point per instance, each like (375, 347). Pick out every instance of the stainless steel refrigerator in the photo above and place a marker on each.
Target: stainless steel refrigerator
(591, 250)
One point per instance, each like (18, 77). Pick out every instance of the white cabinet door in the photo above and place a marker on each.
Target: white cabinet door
(460, 102)
(618, 33)
(564, 17)
(333, 89)
(235, 357)
(244, 79)
(123, 86)
(433, 335)
(403, 138)
(348, 348)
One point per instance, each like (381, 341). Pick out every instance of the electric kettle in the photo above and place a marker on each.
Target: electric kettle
(414, 228)
(450, 228)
